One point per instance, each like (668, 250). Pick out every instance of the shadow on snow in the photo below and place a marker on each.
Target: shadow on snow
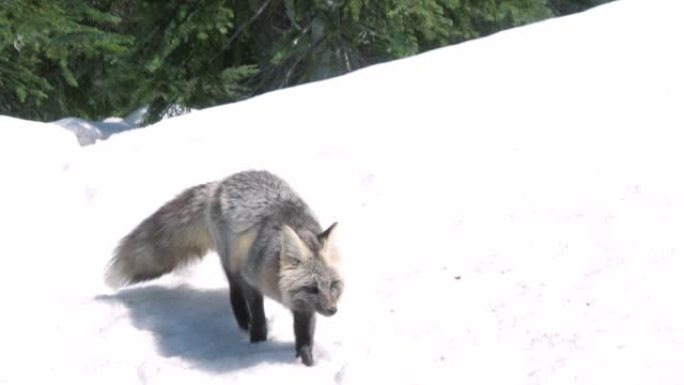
(197, 326)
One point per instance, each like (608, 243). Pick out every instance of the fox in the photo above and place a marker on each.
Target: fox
(269, 242)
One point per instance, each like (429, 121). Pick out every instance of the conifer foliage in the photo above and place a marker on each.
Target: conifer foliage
(98, 58)
(52, 55)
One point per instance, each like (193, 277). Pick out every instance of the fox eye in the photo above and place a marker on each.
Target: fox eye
(335, 288)
(311, 289)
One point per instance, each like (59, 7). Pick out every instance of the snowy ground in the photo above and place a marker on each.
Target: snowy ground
(511, 212)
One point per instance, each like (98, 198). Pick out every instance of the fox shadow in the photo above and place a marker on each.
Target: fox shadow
(197, 326)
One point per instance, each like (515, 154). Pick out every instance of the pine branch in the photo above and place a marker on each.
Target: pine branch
(242, 27)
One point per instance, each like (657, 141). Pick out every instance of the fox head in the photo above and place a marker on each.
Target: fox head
(309, 279)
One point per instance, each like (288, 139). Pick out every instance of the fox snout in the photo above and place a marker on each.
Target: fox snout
(328, 311)
(326, 305)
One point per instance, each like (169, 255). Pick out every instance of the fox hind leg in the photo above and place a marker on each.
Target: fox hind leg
(238, 302)
(255, 301)
(246, 301)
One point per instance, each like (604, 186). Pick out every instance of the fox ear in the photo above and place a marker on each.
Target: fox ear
(325, 235)
(328, 240)
(293, 250)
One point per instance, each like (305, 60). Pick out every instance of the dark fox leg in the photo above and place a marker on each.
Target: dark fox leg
(238, 302)
(237, 286)
(304, 327)
(255, 302)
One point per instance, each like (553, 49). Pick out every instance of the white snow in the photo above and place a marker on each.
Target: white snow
(89, 132)
(511, 212)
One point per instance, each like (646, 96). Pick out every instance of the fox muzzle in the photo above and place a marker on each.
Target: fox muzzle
(328, 311)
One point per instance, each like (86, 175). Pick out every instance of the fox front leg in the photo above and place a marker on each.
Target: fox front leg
(304, 326)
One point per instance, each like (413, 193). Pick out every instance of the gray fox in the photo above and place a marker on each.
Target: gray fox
(269, 242)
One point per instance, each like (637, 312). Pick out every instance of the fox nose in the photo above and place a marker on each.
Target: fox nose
(331, 310)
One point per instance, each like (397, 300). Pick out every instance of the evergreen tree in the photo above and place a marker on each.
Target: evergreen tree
(52, 55)
(98, 58)
(209, 52)
(566, 7)
(181, 57)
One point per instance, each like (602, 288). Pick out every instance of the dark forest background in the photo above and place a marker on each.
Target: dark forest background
(100, 58)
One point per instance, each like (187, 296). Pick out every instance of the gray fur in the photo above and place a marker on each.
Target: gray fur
(269, 241)
(175, 235)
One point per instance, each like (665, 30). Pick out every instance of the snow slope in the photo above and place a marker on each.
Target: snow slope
(510, 212)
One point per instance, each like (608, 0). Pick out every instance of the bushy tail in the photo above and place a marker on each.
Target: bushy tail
(175, 235)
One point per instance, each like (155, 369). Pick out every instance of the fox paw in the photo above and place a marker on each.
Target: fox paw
(304, 353)
(257, 333)
(257, 337)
